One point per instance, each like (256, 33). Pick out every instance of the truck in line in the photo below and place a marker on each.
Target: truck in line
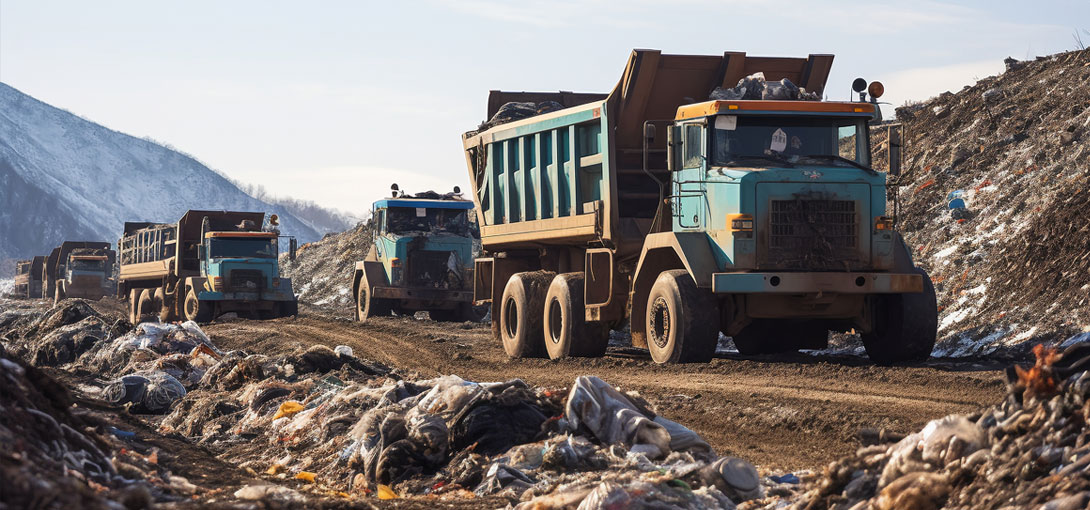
(207, 264)
(421, 259)
(686, 218)
(78, 269)
(28, 277)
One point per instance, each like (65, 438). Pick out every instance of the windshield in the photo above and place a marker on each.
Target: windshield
(87, 265)
(242, 248)
(783, 141)
(400, 220)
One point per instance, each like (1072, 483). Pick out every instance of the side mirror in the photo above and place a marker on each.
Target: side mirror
(893, 140)
(293, 246)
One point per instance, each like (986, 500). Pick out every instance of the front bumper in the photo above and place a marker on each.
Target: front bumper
(815, 283)
(267, 295)
(423, 294)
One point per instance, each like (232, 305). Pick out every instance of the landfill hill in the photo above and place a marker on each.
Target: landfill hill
(1011, 266)
(321, 272)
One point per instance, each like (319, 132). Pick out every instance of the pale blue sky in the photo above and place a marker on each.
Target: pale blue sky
(333, 100)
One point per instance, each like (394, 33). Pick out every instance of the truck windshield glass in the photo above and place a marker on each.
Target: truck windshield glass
(243, 248)
(400, 220)
(87, 265)
(786, 141)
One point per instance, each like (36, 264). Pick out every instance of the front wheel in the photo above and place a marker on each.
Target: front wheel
(368, 306)
(905, 326)
(196, 310)
(145, 307)
(682, 320)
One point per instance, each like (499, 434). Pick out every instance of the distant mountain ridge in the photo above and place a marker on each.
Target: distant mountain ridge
(64, 177)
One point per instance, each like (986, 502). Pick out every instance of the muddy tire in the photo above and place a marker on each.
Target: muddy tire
(520, 318)
(368, 307)
(771, 336)
(145, 307)
(682, 320)
(196, 310)
(159, 303)
(58, 296)
(566, 330)
(288, 309)
(905, 326)
(134, 302)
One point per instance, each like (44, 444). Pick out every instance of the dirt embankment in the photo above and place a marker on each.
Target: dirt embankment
(995, 184)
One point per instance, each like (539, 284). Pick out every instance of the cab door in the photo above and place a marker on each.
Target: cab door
(688, 183)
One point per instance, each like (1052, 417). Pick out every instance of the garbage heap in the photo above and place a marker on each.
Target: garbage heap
(1032, 451)
(755, 87)
(49, 457)
(325, 423)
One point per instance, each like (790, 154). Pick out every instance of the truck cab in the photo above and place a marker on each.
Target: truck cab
(240, 273)
(86, 275)
(795, 219)
(421, 259)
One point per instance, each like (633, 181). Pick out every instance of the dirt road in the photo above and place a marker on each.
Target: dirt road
(785, 414)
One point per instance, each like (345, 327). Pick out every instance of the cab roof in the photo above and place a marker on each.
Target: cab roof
(424, 202)
(840, 108)
(266, 235)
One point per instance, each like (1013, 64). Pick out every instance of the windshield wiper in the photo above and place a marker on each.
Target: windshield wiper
(777, 158)
(833, 157)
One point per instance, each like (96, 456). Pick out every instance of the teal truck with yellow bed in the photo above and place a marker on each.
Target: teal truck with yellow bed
(756, 215)
(420, 259)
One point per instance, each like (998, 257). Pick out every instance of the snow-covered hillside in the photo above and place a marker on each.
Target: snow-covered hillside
(63, 177)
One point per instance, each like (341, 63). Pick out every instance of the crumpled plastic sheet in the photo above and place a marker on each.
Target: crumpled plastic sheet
(613, 419)
(148, 393)
(939, 443)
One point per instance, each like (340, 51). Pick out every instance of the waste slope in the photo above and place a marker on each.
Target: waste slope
(991, 204)
(322, 271)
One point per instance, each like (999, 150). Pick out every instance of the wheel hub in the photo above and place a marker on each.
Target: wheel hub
(660, 323)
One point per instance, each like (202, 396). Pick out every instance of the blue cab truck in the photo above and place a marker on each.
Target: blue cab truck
(207, 264)
(685, 217)
(421, 259)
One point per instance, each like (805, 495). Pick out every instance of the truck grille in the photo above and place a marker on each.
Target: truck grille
(428, 268)
(813, 234)
(246, 280)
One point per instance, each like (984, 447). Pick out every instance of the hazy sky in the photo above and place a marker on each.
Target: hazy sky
(333, 100)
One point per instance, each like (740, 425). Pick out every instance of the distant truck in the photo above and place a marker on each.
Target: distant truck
(207, 264)
(421, 259)
(28, 277)
(78, 269)
(759, 219)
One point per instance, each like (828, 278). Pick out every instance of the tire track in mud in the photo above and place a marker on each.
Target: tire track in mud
(799, 413)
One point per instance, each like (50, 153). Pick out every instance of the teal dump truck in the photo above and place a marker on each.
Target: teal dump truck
(421, 259)
(759, 219)
(207, 264)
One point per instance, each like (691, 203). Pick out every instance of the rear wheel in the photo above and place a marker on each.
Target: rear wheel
(289, 308)
(905, 326)
(134, 302)
(59, 295)
(682, 320)
(520, 314)
(368, 306)
(145, 308)
(159, 302)
(566, 331)
(197, 310)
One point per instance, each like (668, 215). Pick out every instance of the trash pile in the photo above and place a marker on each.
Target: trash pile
(754, 87)
(516, 110)
(321, 270)
(1032, 451)
(992, 193)
(50, 457)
